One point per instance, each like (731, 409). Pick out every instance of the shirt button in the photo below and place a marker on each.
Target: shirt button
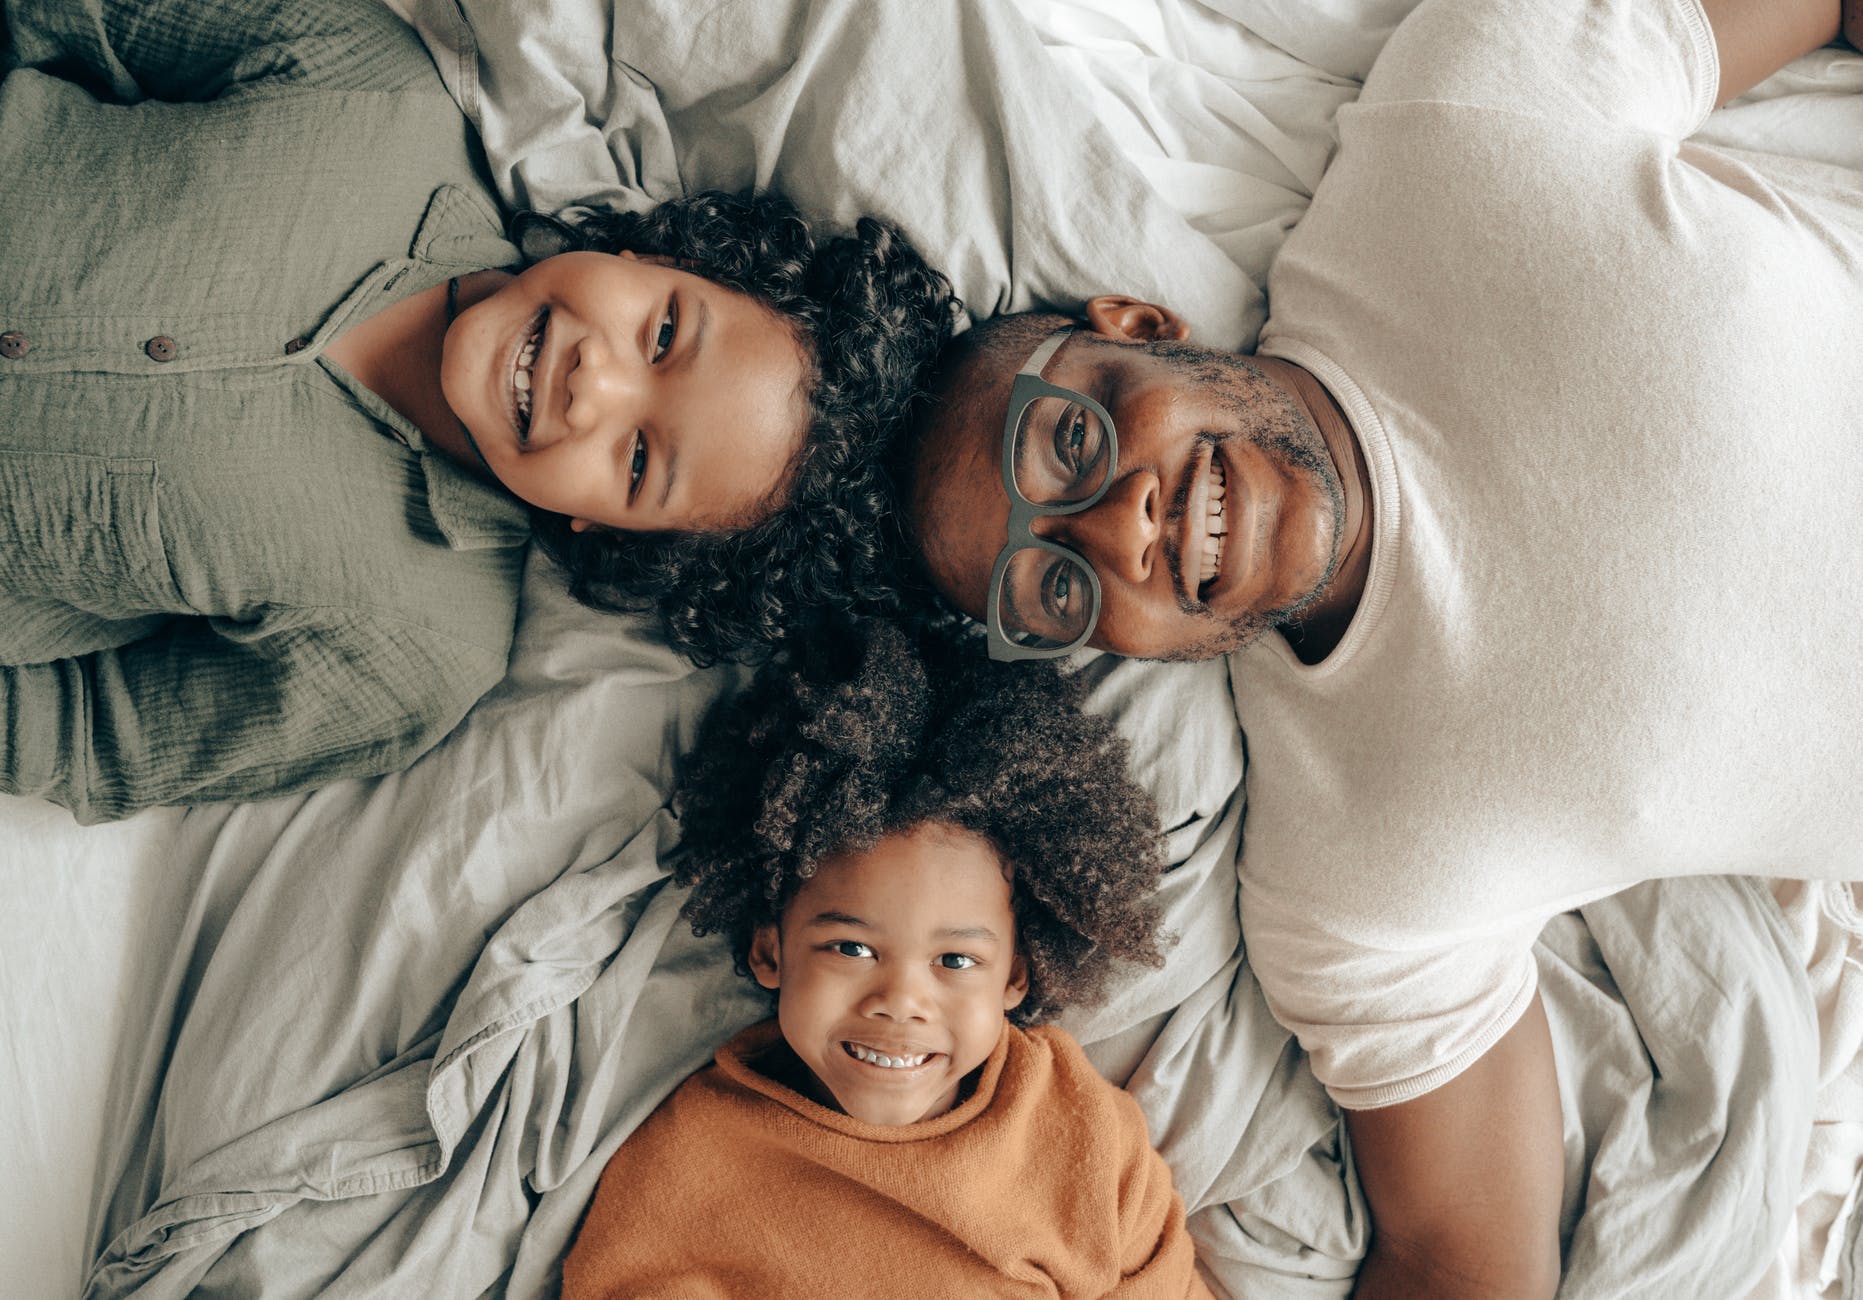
(14, 345)
(161, 348)
(296, 345)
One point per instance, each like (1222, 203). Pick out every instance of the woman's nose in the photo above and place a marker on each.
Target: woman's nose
(1119, 535)
(606, 388)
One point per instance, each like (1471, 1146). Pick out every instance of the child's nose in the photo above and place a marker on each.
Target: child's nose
(898, 994)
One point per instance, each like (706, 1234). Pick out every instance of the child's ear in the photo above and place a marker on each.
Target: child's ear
(1018, 983)
(765, 958)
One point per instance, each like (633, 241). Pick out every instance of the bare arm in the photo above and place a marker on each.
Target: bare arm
(1755, 38)
(1464, 1183)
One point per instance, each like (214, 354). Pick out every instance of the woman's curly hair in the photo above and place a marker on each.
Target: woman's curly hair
(870, 314)
(843, 740)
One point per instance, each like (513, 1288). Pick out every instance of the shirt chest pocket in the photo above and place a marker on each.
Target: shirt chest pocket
(84, 531)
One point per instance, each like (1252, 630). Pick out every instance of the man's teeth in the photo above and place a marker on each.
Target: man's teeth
(1212, 558)
(880, 1059)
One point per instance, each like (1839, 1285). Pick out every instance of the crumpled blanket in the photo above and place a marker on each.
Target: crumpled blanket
(415, 1093)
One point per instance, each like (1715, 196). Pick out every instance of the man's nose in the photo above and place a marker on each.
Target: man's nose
(1119, 535)
(898, 992)
(607, 388)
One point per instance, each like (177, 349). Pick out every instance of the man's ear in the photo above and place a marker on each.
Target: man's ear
(1018, 983)
(1120, 317)
(765, 957)
(581, 525)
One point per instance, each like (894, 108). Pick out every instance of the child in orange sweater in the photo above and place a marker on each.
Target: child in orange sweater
(923, 855)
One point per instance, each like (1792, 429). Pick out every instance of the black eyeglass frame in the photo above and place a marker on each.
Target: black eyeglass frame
(1028, 388)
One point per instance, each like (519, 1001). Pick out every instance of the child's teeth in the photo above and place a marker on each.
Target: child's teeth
(885, 1061)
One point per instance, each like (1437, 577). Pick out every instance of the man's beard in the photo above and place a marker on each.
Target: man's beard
(1268, 418)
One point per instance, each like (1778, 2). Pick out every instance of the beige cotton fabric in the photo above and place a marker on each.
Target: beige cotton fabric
(1607, 379)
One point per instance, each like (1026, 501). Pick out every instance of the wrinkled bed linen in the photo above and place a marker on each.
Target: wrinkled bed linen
(976, 143)
(416, 1091)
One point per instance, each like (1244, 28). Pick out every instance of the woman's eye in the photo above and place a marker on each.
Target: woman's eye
(957, 961)
(850, 948)
(637, 464)
(669, 330)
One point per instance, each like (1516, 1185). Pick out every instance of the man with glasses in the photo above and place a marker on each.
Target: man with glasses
(1534, 526)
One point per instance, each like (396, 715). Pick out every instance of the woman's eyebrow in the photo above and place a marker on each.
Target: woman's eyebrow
(666, 477)
(702, 318)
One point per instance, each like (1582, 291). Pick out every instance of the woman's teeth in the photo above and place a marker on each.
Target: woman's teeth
(520, 376)
(1218, 523)
(885, 1062)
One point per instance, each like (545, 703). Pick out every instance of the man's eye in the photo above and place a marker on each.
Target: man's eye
(850, 948)
(1078, 442)
(957, 961)
(637, 464)
(669, 330)
(1058, 591)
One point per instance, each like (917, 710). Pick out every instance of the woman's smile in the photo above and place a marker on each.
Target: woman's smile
(524, 388)
(630, 394)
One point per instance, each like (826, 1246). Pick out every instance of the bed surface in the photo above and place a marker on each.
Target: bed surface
(383, 1036)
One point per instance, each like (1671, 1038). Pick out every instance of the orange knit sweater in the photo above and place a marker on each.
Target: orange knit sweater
(1042, 1183)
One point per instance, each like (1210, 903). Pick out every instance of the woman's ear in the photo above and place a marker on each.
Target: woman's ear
(581, 525)
(765, 957)
(539, 235)
(1018, 983)
(651, 259)
(1120, 317)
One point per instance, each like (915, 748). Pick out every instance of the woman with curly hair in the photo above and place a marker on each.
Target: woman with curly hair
(282, 407)
(924, 856)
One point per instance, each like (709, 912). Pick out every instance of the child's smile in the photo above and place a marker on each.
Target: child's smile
(894, 967)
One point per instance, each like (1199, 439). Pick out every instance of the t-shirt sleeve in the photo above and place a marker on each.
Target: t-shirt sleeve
(1644, 64)
(1385, 1026)
(199, 712)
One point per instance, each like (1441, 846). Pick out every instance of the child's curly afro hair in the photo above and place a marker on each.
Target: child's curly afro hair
(847, 739)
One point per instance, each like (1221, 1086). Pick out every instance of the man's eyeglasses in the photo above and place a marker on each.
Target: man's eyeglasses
(1059, 457)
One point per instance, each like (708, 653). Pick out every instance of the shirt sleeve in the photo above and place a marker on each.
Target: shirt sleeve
(206, 711)
(1643, 64)
(126, 51)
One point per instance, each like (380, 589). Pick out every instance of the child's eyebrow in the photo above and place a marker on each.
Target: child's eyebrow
(836, 918)
(978, 932)
(967, 932)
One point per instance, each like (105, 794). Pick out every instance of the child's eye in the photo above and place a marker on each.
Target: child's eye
(957, 961)
(850, 948)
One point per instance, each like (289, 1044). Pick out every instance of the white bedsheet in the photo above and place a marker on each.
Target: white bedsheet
(171, 986)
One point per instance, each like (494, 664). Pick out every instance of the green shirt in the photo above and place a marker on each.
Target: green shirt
(226, 569)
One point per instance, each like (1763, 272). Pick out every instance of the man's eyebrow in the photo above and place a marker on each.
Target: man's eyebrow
(836, 918)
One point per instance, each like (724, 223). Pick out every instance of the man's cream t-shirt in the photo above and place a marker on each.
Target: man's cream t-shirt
(1608, 384)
